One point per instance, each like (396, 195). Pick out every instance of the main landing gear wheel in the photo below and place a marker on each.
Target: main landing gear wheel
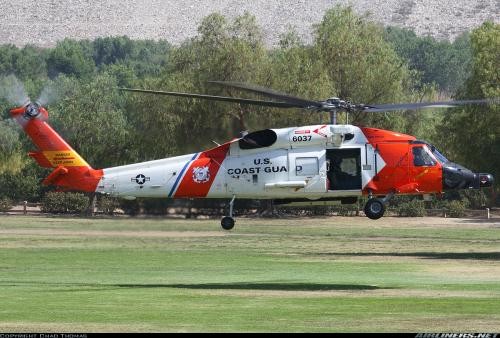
(374, 208)
(227, 223)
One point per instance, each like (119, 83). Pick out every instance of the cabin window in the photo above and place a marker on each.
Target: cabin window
(306, 166)
(258, 139)
(422, 157)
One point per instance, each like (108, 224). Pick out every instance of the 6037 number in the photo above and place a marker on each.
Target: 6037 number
(304, 138)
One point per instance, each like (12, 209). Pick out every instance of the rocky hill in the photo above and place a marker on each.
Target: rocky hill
(43, 22)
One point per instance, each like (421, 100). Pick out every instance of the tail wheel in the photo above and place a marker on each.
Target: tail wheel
(374, 208)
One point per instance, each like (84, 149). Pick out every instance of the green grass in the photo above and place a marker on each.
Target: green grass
(286, 275)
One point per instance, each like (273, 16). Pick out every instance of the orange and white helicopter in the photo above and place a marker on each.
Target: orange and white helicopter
(309, 164)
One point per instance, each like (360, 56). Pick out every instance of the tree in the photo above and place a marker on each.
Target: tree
(472, 133)
(149, 57)
(8, 53)
(30, 64)
(71, 57)
(90, 119)
(12, 160)
(222, 51)
(444, 63)
(361, 65)
(111, 49)
(294, 69)
(154, 123)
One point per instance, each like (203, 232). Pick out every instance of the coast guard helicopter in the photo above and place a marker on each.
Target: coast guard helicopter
(308, 164)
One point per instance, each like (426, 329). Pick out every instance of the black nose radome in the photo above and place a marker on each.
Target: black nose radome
(485, 180)
(456, 176)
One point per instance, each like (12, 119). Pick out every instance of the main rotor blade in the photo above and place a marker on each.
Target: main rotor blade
(412, 106)
(216, 98)
(299, 102)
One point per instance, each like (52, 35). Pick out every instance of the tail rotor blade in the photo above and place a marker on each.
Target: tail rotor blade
(48, 95)
(12, 90)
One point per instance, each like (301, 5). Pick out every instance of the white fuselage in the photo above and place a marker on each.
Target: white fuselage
(295, 164)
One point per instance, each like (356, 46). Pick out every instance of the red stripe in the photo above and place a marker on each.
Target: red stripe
(212, 159)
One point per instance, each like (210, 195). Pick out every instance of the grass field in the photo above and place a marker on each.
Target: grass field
(287, 275)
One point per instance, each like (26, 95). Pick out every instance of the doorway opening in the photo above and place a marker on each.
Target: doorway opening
(344, 169)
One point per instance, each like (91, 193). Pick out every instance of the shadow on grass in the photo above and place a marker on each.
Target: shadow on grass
(258, 286)
(201, 286)
(430, 255)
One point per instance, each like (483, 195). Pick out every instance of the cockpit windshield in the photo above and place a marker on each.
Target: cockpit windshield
(440, 157)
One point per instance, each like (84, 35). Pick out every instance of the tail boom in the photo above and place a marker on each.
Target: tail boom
(71, 171)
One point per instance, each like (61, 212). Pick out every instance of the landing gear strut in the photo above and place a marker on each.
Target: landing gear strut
(375, 207)
(227, 222)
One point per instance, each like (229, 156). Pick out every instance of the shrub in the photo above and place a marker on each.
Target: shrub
(22, 186)
(415, 208)
(156, 206)
(477, 199)
(346, 209)
(107, 204)
(5, 204)
(64, 203)
(130, 207)
(455, 209)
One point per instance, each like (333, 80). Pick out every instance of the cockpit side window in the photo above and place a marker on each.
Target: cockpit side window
(440, 157)
(422, 157)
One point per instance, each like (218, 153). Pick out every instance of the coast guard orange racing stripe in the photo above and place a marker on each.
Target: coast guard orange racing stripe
(201, 172)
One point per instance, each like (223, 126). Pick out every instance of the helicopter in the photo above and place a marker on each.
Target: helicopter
(305, 165)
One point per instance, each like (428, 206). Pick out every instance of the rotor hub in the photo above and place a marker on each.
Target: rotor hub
(32, 110)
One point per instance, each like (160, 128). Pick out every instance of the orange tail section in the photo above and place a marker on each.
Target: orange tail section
(70, 169)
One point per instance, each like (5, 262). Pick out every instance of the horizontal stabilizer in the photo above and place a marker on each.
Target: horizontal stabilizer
(55, 175)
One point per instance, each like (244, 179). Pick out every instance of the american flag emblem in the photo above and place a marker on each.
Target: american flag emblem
(302, 131)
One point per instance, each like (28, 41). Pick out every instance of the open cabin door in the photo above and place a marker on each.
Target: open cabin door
(344, 169)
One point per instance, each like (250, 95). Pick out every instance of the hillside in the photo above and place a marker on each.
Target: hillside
(44, 22)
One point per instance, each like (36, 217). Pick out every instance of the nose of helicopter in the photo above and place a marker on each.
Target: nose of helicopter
(485, 180)
(456, 176)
